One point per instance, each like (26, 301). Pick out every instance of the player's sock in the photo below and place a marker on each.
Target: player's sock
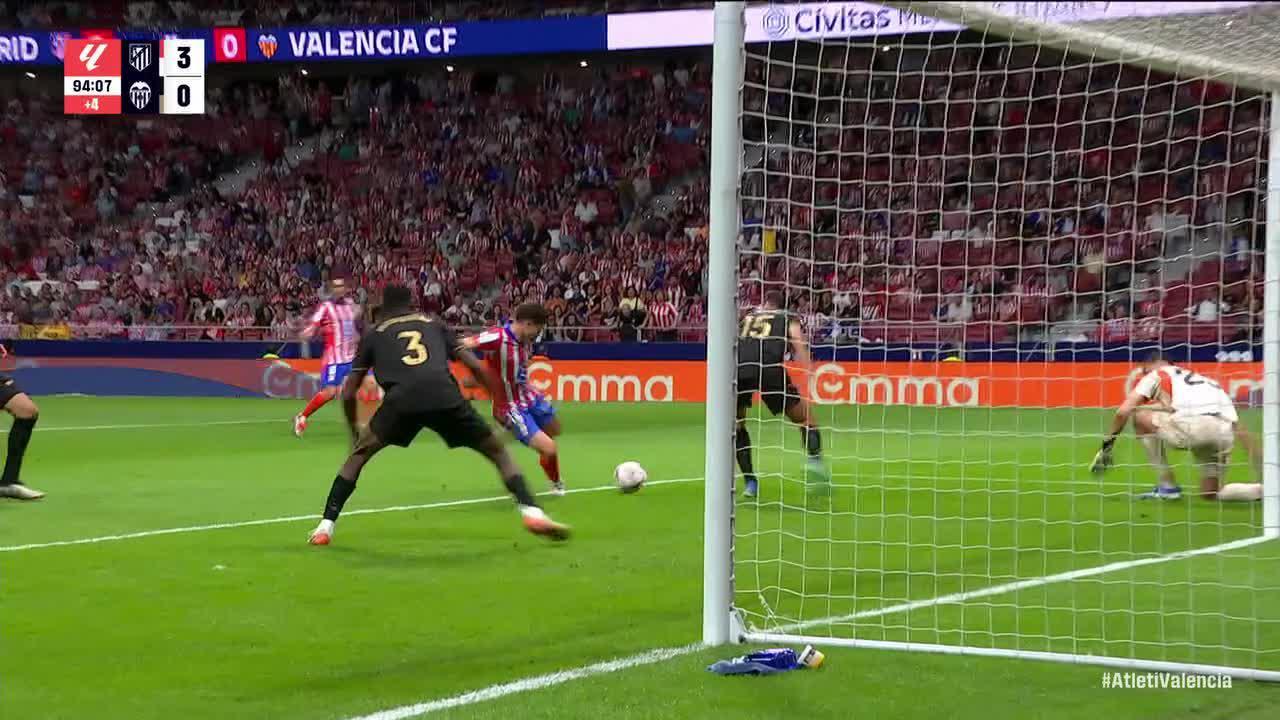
(742, 449)
(317, 402)
(551, 466)
(812, 441)
(1156, 454)
(19, 436)
(338, 494)
(515, 485)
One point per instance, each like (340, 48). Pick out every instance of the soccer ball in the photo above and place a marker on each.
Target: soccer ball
(630, 476)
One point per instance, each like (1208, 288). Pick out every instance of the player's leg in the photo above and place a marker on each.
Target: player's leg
(535, 520)
(1153, 429)
(543, 441)
(463, 427)
(344, 484)
(1212, 440)
(742, 438)
(331, 379)
(388, 426)
(25, 414)
(799, 412)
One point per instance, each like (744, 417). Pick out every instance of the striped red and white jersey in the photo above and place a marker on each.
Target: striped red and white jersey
(336, 322)
(663, 316)
(508, 358)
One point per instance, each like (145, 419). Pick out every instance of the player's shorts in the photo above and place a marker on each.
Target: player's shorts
(1208, 437)
(773, 384)
(333, 375)
(8, 390)
(458, 426)
(524, 423)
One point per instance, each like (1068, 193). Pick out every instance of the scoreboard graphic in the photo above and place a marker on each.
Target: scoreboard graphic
(143, 77)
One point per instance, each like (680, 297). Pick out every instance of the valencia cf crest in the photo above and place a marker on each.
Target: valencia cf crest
(139, 93)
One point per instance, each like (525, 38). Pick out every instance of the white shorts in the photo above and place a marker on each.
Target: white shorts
(1208, 437)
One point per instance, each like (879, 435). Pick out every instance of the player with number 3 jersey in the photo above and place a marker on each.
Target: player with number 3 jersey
(526, 413)
(411, 352)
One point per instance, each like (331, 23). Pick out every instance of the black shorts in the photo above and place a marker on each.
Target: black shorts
(773, 384)
(8, 389)
(458, 426)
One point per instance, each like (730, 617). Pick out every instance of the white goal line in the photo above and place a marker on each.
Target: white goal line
(649, 657)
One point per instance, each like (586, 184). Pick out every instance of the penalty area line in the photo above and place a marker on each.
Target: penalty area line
(300, 518)
(537, 682)
(152, 426)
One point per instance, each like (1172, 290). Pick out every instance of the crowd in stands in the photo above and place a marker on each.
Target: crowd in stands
(957, 196)
(478, 192)
(971, 194)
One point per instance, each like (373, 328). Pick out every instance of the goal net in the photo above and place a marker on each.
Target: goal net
(984, 216)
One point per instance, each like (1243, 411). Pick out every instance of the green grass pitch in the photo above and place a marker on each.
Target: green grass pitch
(416, 604)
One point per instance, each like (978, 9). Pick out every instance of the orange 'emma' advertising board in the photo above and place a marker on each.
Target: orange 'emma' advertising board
(947, 384)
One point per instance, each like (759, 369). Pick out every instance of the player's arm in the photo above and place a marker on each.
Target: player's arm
(313, 324)
(351, 386)
(799, 344)
(488, 340)
(1138, 396)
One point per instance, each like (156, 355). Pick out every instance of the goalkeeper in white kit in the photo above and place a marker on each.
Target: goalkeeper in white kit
(1174, 407)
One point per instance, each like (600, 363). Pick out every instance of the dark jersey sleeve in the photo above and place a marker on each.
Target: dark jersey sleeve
(411, 357)
(764, 338)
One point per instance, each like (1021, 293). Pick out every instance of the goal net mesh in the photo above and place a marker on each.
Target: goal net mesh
(981, 231)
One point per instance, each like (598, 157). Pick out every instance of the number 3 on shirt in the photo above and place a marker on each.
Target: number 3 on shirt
(417, 352)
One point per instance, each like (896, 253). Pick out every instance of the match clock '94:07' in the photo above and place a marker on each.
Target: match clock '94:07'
(94, 85)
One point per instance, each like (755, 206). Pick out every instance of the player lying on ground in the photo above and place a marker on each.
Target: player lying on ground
(1174, 407)
(409, 353)
(336, 321)
(768, 334)
(25, 413)
(524, 412)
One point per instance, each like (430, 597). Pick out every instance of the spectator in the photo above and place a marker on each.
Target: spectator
(663, 318)
(1207, 310)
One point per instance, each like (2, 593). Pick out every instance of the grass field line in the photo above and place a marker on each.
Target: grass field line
(1017, 585)
(150, 426)
(537, 682)
(300, 518)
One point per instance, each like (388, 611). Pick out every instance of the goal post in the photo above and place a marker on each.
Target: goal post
(984, 214)
(722, 314)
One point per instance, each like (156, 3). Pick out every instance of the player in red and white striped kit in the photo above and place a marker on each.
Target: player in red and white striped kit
(522, 410)
(336, 320)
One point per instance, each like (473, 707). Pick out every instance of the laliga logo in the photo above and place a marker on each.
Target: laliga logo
(268, 45)
(775, 22)
(91, 53)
